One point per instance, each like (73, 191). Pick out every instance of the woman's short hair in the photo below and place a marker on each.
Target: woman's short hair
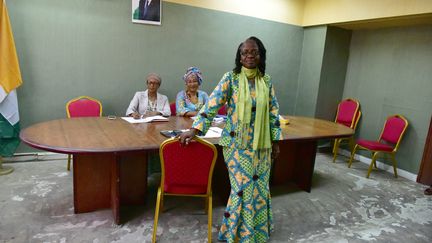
(154, 76)
(262, 53)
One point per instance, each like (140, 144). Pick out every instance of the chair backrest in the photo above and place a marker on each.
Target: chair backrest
(187, 169)
(173, 109)
(83, 106)
(223, 110)
(393, 130)
(348, 113)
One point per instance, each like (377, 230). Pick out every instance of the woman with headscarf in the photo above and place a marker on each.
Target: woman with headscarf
(149, 102)
(249, 140)
(190, 100)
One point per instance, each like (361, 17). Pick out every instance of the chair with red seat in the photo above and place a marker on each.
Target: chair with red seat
(348, 114)
(186, 171)
(173, 109)
(388, 142)
(82, 106)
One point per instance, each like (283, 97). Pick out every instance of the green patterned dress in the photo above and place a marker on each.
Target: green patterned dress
(248, 215)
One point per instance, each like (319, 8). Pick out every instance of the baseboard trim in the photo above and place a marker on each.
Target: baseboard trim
(41, 156)
(402, 173)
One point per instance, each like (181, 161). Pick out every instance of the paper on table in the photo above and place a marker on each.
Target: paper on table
(155, 118)
(213, 132)
(147, 119)
(132, 120)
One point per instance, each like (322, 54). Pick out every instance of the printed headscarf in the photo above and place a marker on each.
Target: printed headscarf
(193, 70)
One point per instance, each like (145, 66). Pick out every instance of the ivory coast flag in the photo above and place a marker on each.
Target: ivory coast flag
(10, 79)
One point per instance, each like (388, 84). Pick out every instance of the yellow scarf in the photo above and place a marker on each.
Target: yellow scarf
(261, 136)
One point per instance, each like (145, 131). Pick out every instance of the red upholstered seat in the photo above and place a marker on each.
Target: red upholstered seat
(186, 171)
(388, 141)
(348, 114)
(393, 129)
(185, 189)
(83, 106)
(374, 145)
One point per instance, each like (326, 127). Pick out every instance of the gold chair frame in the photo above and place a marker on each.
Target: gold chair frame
(375, 153)
(208, 195)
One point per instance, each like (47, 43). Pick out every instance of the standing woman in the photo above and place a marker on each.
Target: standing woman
(191, 100)
(249, 141)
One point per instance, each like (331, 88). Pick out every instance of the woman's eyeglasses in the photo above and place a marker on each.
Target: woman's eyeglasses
(153, 83)
(253, 53)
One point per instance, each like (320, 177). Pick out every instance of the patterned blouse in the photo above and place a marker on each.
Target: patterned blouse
(227, 92)
(183, 103)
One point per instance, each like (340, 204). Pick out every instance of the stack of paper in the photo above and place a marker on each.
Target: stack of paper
(147, 119)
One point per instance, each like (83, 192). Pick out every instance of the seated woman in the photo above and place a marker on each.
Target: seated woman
(149, 102)
(190, 100)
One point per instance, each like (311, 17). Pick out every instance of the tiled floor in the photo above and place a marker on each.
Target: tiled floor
(36, 205)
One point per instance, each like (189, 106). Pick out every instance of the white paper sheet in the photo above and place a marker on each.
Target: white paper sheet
(213, 132)
(145, 120)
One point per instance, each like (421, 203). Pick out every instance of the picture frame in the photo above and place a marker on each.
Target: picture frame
(147, 12)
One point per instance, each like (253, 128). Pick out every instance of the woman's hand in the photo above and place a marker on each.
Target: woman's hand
(186, 137)
(135, 115)
(275, 150)
(190, 113)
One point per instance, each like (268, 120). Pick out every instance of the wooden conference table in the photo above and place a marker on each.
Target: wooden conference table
(110, 156)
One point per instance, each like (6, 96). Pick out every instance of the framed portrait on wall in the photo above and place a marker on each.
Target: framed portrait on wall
(147, 11)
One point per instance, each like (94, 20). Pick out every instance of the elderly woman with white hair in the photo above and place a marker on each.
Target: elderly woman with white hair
(149, 102)
(190, 100)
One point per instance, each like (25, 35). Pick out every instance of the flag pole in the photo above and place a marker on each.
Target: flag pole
(4, 170)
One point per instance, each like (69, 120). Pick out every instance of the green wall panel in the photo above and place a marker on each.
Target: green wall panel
(310, 71)
(389, 72)
(333, 70)
(322, 71)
